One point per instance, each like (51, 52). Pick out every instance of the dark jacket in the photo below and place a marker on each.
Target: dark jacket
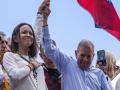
(52, 78)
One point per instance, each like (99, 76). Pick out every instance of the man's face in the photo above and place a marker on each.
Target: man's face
(84, 57)
(4, 45)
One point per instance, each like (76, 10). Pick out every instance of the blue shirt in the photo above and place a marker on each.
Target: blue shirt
(73, 78)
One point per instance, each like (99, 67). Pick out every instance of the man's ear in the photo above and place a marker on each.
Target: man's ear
(93, 55)
(76, 53)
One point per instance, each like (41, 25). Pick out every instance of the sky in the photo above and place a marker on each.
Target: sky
(68, 24)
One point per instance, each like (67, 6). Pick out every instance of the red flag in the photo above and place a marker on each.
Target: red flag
(116, 34)
(104, 15)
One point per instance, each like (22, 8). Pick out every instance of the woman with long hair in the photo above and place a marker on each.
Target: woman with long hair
(108, 66)
(21, 65)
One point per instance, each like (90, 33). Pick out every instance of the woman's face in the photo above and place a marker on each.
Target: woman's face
(101, 66)
(26, 36)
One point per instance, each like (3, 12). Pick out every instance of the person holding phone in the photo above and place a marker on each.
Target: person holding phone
(107, 63)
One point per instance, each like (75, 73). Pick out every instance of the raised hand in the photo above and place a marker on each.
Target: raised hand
(44, 9)
(45, 3)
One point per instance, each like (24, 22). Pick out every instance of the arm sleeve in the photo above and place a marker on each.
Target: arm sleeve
(60, 59)
(12, 69)
(38, 29)
(104, 83)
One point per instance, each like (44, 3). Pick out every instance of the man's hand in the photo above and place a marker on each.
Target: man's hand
(44, 9)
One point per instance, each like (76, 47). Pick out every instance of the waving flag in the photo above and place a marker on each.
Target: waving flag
(114, 33)
(104, 15)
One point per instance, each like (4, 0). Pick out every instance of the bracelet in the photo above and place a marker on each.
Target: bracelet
(30, 66)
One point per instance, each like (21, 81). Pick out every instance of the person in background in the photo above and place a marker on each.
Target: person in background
(108, 65)
(4, 79)
(77, 74)
(21, 65)
(52, 75)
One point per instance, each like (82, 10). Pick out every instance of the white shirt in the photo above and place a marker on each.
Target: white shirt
(20, 75)
(114, 81)
(117, 87)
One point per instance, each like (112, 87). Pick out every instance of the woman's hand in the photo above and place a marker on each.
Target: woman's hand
(35, 64)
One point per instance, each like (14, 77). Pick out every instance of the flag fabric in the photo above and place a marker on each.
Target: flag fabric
(114, 33)
(104, 15)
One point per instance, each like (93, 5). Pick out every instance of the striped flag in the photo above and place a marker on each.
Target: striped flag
(104, 15)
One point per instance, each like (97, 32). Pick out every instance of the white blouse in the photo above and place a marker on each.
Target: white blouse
(20, 75)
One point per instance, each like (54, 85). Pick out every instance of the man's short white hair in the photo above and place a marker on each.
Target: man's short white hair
(2, 36)
(85, 42)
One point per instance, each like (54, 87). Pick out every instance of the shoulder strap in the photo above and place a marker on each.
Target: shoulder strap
(24, 59)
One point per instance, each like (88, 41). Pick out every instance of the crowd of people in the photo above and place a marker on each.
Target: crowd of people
(30, 60)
